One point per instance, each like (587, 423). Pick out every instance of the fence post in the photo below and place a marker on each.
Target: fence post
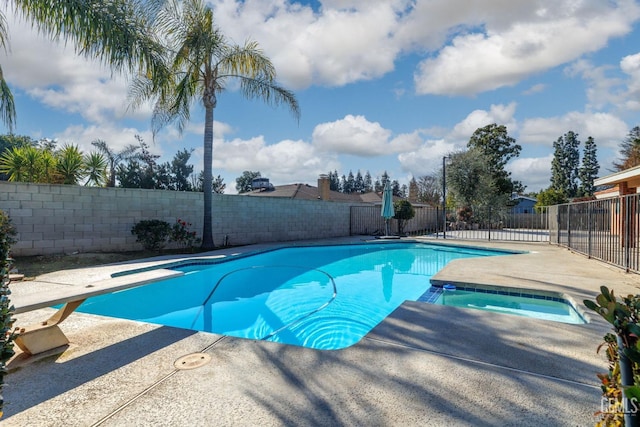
(569, 226)
(589, 228)
(490, 223)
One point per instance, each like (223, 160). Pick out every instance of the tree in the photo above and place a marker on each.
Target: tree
(181, 170)
(498, 147)
(564, 167)
(218, 185)
(368, 186)
(429, 189)
(7, 104)
(404, 211)
(358, 185)
(334, 181)
(243, 182)
(114, 159)
(96, 168)
(70, 166)
(470, 181)
(199, 62)
(629, 150)
(588, 172)
(550, 197)
(29, 164)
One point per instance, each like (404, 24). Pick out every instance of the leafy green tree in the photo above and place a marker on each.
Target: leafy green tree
(396, 189)
(334, 181)
(129, 175)
(499, 148)
(629, 150)
(218, 185)
(10, 140)
(403, 212)
(114, 159)
(181, 170)
(550, 197)
(564, 167)
(243, 182)
(349, 184)
(199, 63)
(588, 172)
(358, 185)
(368, 186)
(470, 181)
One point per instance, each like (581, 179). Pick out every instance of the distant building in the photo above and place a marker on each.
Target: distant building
(523, 204)
(309, 192)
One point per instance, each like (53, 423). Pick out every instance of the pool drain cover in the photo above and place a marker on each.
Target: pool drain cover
(192, 361)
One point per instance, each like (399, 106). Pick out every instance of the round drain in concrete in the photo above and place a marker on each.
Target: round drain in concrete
(192, 361)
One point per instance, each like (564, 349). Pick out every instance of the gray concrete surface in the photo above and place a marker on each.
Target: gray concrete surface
(425, 365)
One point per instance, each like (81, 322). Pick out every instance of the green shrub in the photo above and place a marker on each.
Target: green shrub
(621, 384)
(7, 334)
(152, 233)
(404, 211)
(181, 234)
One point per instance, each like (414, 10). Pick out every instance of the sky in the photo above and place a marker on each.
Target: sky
(383, 85)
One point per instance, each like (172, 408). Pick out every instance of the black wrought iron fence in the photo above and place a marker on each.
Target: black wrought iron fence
(478, 223)
(607, 230)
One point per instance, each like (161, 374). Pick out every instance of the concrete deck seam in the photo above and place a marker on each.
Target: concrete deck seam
(148, 389)
(480, 362)
(134, 399)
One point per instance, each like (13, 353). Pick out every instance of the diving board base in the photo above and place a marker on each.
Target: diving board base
(41, 340)
(46, 335)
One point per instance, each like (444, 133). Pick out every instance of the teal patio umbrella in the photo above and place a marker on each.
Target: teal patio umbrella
(387, 206)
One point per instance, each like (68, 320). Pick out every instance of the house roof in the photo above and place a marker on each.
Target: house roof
(309, 192)
(630, 176)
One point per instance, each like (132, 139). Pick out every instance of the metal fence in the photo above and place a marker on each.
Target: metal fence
(607, 230)
(480, 223)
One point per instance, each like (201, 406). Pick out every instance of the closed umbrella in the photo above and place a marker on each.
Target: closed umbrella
(387, 206)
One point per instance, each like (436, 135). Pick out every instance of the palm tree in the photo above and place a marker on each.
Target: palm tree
(113, 31)
(96, 169)
(70, 165)
(7, 106)
(199, 63)
(114, 158)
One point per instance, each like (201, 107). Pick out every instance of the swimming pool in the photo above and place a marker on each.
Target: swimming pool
(322, 297)
(519, 302)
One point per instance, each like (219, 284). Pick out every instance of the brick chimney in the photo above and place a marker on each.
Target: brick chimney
(413, 191)
(324, 187)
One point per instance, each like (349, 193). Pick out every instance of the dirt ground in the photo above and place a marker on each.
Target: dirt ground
(33, 266)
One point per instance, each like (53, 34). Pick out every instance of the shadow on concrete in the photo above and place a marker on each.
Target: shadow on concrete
(21, 393)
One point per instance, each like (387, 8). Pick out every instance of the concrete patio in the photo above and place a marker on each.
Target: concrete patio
(423, 365)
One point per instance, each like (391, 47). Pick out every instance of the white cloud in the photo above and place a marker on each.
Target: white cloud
(427, 158)
(500, 114)
(116, 137)
(352, 135)
(477, 62)
(630, 65)
(283, 162)
(56, 76)
(607, 129)
(535, 172)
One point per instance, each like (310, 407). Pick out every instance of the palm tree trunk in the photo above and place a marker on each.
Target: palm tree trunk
(207, 186)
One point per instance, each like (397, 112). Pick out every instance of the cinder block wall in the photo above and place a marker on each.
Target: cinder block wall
(55, 219)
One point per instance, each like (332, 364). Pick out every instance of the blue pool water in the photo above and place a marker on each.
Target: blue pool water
(323, 297)
(519, 303)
